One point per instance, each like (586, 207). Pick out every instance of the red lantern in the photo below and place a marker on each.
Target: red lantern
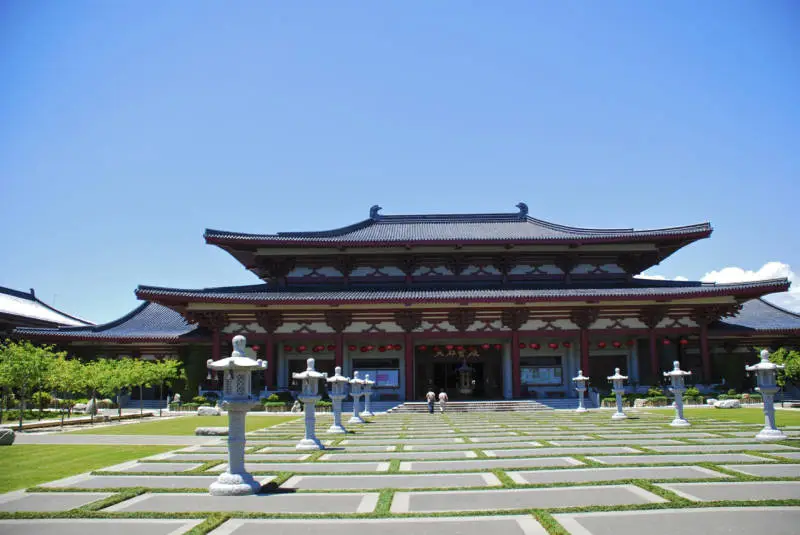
(370, 348)
(485, 346)
(567, 345)
(287, 349)
(552, 345)
(536, 346)
(616, 344)
(364, 349)
(601, 345)
(460, 348)
(315, 349)
(398, 347)
(498, 346)
(449, 347)
(631, 343)
(422, 348)
(667, 342)
(300, 349)
(352, 347)
(684, 341)
(256, 348)
(331, 347)
(382, 349)
(436, 348)
(522, 345)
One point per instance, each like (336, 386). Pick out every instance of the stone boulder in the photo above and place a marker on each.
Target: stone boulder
(211, 431)
(711, 401)
(208, 411)
(727, 404)
(640, 402)
(91, 407)
(6, 437)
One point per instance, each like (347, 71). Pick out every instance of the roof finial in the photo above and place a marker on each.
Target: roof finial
(373, 212)
(523, 209)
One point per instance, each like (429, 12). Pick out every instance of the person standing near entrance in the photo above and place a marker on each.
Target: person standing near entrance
(431, 397)
(443, 401)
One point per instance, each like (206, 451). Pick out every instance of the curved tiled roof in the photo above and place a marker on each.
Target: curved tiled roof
(148, 322)
(762, 316)
(25, 305)
(446, 228)
(637, 289)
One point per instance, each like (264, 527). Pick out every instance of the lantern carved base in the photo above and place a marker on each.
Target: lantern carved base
(619, 416)
(771, 434)
(581, 409)
(680, 422)
(309, 444)
(228, 484)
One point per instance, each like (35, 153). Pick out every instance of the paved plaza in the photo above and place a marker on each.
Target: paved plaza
(551, 472)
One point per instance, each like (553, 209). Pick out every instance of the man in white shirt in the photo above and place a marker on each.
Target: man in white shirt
(431, 397)
(443, 401)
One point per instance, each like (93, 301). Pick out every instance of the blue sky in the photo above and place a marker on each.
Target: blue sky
(127, 128)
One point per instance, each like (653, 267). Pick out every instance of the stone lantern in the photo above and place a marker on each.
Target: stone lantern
(465, 383)
(338, 392)
(619, 388)
(309, 395)
(677, 387)
(580, 387)
(368, 384)
(767, 378)
(356, 391)
(236, 371)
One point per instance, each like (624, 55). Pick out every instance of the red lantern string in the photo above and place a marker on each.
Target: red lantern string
(536, 346)
(601, 345)
(382, 349)
(287, 349)
(301, 348)
(364, 349)
(552, 345)
(370, 348)
(616, 344)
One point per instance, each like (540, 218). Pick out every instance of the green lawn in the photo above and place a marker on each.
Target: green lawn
(183, 425)
(745, 415)
(28, 465)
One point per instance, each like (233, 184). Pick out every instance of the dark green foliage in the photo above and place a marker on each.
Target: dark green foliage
(194, 364)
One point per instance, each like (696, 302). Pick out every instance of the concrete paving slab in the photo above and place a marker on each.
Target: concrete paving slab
(527, 438)
(308, 467)
(453, 447)
(676, 434)
(766, 470)
(253, 457)
(618, 442)
(738, 490)
(47, 502)
(136, 466)
(84, 526)
(725, 440)
(795, 456)
(680, 459)
(560, 451)
(155, 482)
(378, 441)
(271, 503)
(509, 499)
(486, 464)
(418, 481)
(386, 456)
(586, 475)
(710, 521)
(508, 525)
(114, 440)
(700, 448)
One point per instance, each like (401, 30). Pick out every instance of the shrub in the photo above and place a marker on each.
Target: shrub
(732, 392)
(322, 403)
(201, 400)
(655, 392)
(284, 396)
(692, 392)
(106, 404)
(273, 398)
(41, 399)
(758, 398)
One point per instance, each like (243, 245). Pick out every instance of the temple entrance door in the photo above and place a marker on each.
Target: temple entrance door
(445, 377)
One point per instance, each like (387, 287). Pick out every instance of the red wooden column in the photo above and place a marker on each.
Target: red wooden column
(408, 345)
(516, 386)
(338, 353)
(269, 357)
(653, 354)
(585, 366)
(215, 344)
(704, 353)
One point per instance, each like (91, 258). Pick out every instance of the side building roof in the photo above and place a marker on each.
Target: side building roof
(149, 322)
(759, 316)
(436, 229)
(24, 308)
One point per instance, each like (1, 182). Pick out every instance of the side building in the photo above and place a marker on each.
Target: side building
(487, 306)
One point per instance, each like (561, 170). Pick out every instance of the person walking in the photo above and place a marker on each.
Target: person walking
(431, 397)
(443, 401)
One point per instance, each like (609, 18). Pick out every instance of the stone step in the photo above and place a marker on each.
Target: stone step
(474, 406)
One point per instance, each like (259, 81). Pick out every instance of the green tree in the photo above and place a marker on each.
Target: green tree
(25, 367)
(165, 372)
(790, 359)
(67, 377)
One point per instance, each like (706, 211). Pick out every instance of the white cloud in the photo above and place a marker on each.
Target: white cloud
(771, 270)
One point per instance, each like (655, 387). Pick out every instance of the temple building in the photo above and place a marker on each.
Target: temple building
(24, 309)
(486, 306)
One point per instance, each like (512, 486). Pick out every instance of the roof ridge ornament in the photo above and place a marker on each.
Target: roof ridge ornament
(523, 210)
(373, 212)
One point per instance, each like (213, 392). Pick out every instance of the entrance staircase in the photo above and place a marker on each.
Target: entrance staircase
(474, 406)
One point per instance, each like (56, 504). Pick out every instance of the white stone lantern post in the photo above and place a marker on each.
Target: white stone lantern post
(677, 387)
(237, 400)
(619, 388)
(309, 395)
(356, 391)
(580, 387)
(338, 392)
(767, 378)
(368, 384)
